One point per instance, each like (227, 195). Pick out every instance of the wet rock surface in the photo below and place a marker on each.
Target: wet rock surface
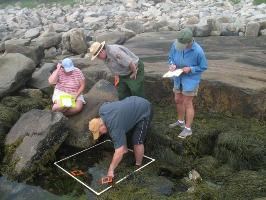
(235, 61)
(32, 142)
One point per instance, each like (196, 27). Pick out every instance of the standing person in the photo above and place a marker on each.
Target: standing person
(186, 54)
(127, 68)
(68, 80)
(131, 115)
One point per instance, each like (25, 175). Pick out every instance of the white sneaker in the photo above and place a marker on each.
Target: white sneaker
(177, 123)
(185, 133)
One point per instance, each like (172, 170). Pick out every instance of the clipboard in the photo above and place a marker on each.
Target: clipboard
(171, 74)
(67, 101)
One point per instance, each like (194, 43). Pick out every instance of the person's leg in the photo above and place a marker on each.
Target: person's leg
(139, 153)
(189, 109)
(57, 108)
(180, 108)
(136, 86)
(75, 110)
(122, 89)
(138, 138)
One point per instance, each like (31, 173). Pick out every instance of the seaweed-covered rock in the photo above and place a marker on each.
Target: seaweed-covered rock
(206, 166)
(202, 191)
(32, 93)
(32, 142)
(222, 174)
(24, 104)
(241, 150)
(245, 185)
(12, 101)
(8, 116)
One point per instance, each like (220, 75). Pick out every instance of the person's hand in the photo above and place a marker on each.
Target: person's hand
(58, 66)
(172, 67)
(75, 96)
(134, 74)
(116, 80)
(110, 173)
(186, 70)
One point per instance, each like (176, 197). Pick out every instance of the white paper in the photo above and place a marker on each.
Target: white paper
(170, 74)
(67, 102)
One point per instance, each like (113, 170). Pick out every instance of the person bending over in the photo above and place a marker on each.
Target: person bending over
(128, 117)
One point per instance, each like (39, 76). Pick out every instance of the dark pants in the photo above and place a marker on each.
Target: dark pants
(132, 87)
(139, 132)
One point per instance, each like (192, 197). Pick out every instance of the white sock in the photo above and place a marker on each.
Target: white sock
(181, 122)
(188, 128)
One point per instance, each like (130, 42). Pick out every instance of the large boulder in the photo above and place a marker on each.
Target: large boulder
(48, 39)
(15, 71)
(112, 37)
(252, 29)
(32, 142)
(135, 26)
(40, 77)
(102, 91)
(32, 33)
(33, 51)
(14, 190)
(74, 41)
(95, 73)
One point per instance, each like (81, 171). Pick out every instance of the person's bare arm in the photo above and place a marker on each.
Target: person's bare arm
(54, 76)
(81, 88)
(134, 70)
(117, 157)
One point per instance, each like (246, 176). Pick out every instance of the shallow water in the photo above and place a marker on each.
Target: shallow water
(92, 164)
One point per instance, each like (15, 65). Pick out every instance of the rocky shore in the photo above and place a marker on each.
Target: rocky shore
(229, 145)
(205, 17)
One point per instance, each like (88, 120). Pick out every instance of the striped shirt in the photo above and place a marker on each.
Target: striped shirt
(69, 83)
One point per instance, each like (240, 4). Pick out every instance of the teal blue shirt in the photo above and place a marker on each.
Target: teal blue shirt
(193, 58)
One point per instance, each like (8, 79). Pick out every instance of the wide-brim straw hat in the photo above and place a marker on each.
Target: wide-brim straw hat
(95, 49)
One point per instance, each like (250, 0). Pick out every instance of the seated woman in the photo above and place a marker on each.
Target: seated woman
(69, 82)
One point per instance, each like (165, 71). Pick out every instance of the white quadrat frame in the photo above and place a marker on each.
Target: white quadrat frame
(84, 184)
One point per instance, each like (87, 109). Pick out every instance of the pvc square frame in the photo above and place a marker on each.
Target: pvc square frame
(110, 186)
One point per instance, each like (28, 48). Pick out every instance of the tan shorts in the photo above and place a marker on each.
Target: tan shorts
(190, 93)
(58, 93)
